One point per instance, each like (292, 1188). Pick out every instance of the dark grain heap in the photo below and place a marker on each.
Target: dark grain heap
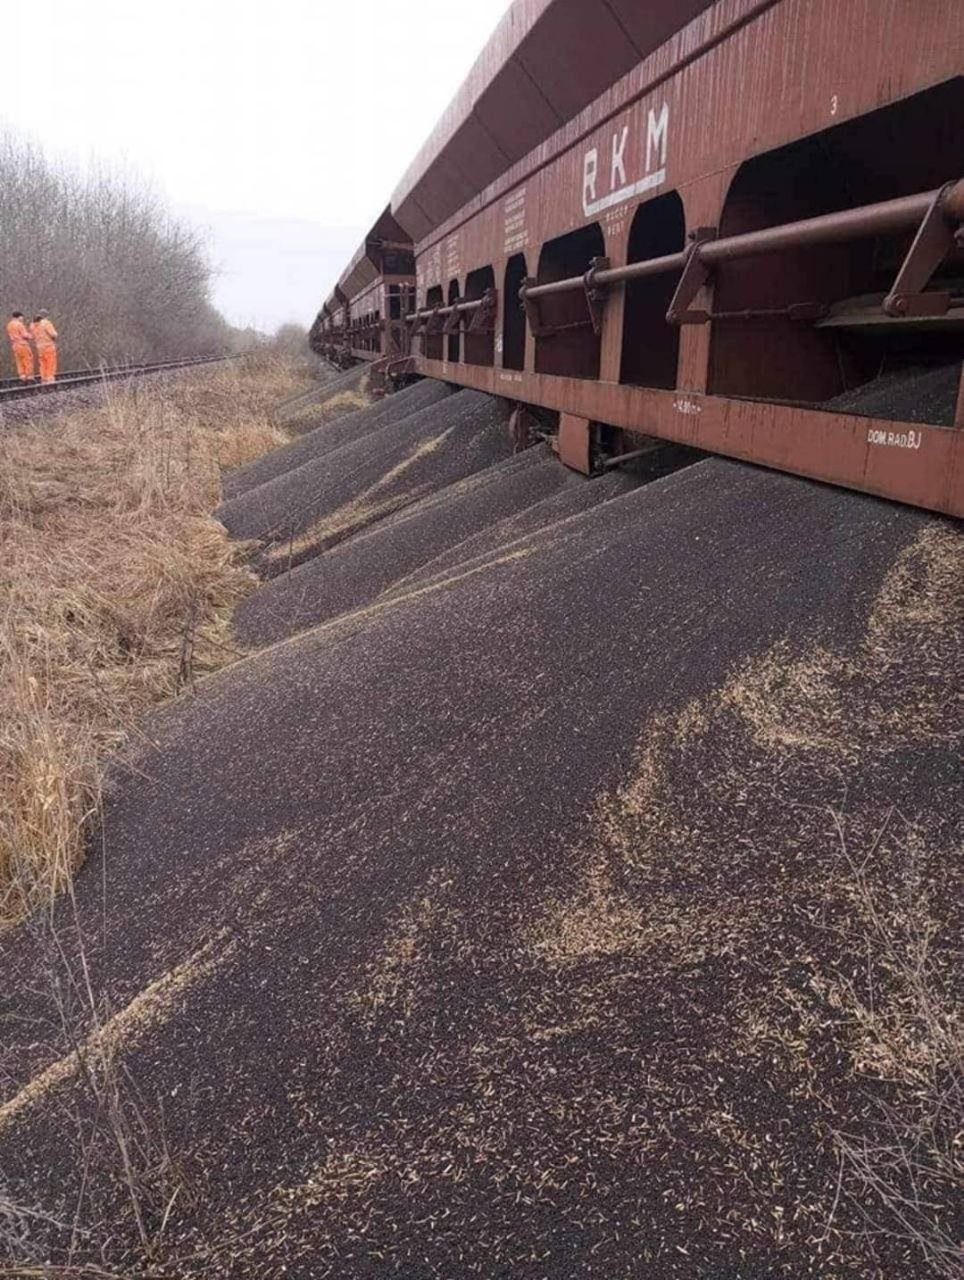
(338, 494)
(507, 922)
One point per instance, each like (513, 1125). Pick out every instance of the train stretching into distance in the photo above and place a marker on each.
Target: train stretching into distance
(732, 224)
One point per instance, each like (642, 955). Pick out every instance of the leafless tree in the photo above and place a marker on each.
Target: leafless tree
(122, 279)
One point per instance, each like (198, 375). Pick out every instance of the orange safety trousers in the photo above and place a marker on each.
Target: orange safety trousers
(23, 359)
(45, 337)
(47, 357)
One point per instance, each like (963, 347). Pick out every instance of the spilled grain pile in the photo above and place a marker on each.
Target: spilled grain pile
(340, 493)
(580, 908)
(333, 395)
(331, 432)
(357, 571)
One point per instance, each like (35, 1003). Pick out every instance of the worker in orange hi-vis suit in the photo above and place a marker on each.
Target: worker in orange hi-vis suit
(45, 340)
(19, 336)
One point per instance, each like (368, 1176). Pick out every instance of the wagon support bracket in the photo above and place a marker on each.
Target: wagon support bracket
(453, 321)
(596, 294)
(531, 308)
(934, 240)
(694, 276)
(483, 317)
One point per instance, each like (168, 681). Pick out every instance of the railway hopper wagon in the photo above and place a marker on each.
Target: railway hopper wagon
(734, 225)
(364, 318)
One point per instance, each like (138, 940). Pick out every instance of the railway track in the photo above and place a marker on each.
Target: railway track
(13, 389)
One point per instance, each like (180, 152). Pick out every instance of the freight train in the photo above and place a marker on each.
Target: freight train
(736, 225)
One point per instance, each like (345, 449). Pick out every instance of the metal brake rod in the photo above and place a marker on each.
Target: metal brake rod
(874, 219)
(428, 312)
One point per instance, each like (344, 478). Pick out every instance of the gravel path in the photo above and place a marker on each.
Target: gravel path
(51, 404)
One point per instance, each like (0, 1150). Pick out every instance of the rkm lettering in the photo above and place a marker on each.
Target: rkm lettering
(621, 188)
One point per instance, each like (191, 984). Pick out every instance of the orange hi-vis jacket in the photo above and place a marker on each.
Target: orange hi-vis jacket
(19, 336)
(43, 333)
(17, 331)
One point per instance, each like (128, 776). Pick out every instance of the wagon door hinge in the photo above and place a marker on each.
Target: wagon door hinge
(933, 242)
(694, 276)
(595, 293)
(483, 319)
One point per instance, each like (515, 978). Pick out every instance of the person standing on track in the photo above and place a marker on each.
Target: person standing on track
(19, 336)
(45, 340)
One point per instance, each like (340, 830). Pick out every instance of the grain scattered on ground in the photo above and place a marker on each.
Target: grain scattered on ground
(572, 933)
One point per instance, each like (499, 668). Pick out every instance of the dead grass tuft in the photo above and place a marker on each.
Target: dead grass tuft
(315, 409)
(116, 592)
(149, 1009)
(346, 402)
(905, 1031)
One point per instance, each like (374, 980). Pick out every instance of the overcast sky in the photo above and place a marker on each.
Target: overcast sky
(281, 126)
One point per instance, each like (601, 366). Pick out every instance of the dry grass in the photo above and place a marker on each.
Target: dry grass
(116, 590)
(346, 401)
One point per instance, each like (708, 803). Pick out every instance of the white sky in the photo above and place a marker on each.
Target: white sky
(281, 126)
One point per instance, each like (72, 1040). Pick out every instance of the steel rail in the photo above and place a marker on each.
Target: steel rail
(88, 372)
(15, 389)
(443, 312)
(115, 370)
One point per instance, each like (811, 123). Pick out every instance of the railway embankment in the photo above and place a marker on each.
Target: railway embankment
(116, 585)
(564, 888)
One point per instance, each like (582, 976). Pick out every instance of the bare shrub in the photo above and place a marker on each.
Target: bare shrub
(291, 340)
